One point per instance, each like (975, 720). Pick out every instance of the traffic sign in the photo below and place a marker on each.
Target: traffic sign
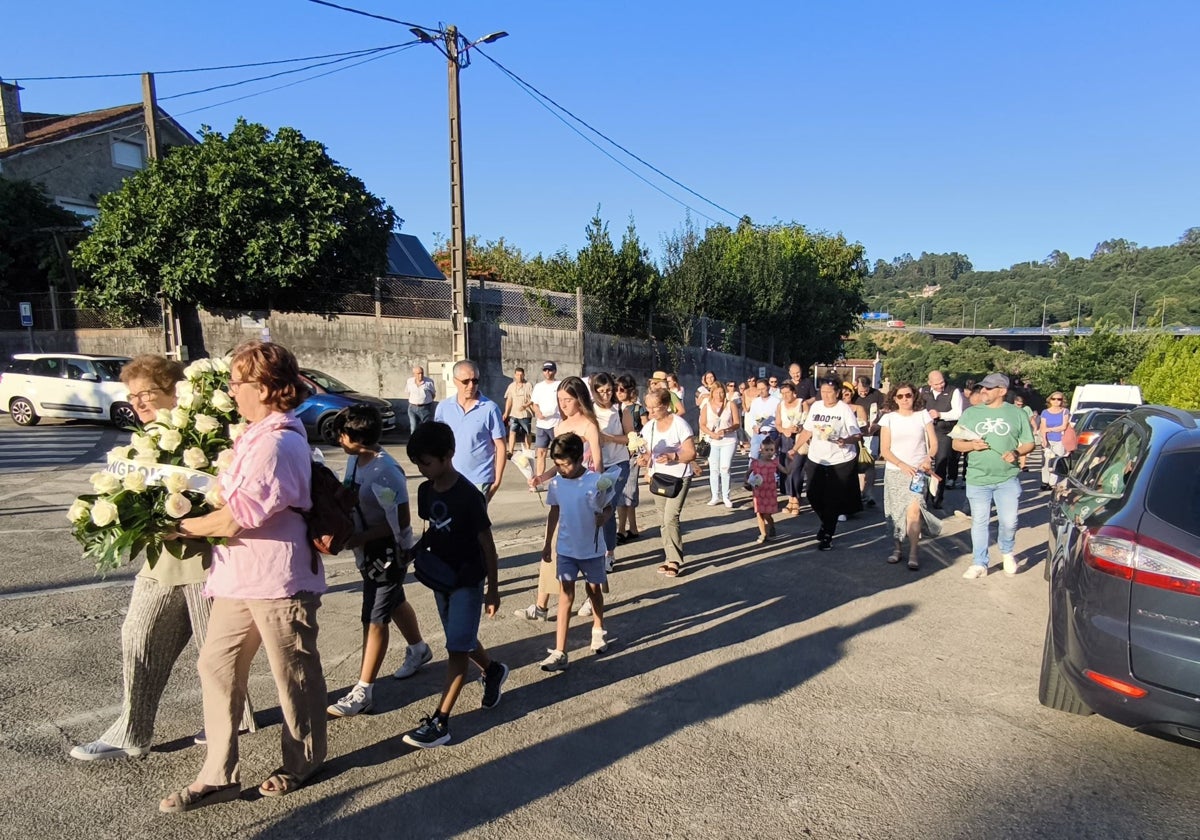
(876, 316)
(26, 313)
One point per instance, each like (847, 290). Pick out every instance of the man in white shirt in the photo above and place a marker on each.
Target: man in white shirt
(945, 406)
(761, 416)
(545, 412)
(421, 397)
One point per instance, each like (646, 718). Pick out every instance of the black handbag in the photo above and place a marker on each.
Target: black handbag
(667, 486)
(434, 572)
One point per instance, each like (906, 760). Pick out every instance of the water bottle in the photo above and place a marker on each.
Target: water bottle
(919, 482)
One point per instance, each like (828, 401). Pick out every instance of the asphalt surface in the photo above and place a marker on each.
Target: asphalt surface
(771, 691)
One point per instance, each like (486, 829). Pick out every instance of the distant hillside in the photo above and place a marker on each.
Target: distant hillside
(1099, 289)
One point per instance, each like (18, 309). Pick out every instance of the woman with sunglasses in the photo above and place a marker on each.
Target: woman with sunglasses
(907, 443)
(1051, 425)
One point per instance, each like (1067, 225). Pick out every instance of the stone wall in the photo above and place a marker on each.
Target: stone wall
(94, 342)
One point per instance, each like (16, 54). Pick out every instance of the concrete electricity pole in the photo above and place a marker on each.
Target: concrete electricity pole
(153, 153)
(456, 50)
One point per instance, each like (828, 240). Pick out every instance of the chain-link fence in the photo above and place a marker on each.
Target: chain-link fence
(57, 310)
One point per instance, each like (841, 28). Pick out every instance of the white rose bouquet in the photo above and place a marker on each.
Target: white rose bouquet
(601, 497)
(167, 471)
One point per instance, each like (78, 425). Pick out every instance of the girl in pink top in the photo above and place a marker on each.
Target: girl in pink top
(266, 584)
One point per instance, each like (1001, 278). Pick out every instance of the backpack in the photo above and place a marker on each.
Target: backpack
(329, 518)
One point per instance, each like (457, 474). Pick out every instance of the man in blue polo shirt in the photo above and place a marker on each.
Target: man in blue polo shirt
(479, 453)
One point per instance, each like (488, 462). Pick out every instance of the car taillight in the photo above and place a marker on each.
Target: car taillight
(1141, 559)
(1087, 437)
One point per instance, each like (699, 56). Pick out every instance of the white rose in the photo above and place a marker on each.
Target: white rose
(80, 510)
(222, 402)
(104, 482)
(104, 513)
(146, 459)
(153, 432)
(206, 424)
(196, 368)
(177, 505)
(220, 365)
(163, 415)
(194, 457)
(224, 459)
(236, 430)
(179, 417)
(175, 482)
(187, 402)
(183, 388)
(135, 482)
(213, 497)
(119, 453)
(170, 440)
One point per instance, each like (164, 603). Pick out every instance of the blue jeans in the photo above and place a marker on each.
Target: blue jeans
(610, 527)
(1007, 497)
(418, 414)
(459, 611)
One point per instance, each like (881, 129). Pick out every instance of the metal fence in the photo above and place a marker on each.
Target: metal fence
(57, 310)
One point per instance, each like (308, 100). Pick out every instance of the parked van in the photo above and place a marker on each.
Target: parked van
(1123, 397)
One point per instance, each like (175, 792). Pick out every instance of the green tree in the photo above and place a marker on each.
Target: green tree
(620, 283)
(1103, 356)
(1169, 374)
(243, 221)
(29, 261)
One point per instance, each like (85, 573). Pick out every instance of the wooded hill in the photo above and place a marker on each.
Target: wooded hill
(1099, 290)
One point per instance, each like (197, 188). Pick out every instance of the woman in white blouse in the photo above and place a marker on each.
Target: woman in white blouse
(670, 451)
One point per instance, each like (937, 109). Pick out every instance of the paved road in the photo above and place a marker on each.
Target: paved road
(767, 693)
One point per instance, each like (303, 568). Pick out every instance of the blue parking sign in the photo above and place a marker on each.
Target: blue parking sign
(26, 313)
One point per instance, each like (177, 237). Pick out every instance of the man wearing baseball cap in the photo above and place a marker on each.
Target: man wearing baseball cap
(997, 434)
(658, 382)
(545, 410)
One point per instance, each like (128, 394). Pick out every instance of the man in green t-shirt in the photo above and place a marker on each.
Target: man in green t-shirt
(997, 434)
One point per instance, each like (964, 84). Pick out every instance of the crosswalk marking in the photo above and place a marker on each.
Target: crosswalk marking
(50, 448)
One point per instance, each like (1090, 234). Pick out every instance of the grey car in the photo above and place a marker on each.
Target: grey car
(1123, 636)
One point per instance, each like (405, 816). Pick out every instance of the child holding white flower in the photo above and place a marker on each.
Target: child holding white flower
(381, 542)
(762, 480)
(579, 506)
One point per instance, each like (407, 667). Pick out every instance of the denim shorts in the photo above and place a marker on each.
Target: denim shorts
(544, 436)
(460, 611)
(521, 424)
(591, 569)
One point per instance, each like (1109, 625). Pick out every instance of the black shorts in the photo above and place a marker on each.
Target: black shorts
(380, 600)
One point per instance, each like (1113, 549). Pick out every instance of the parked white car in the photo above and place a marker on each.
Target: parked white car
(1095, 395)
(65, 385)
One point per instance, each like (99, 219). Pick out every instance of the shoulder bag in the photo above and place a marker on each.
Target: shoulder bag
(667, 486)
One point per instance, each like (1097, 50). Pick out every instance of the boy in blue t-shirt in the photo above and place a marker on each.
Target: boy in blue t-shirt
(580, 503)
(460, 533)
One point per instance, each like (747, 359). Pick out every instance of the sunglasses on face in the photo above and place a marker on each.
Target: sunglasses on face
(1056, 399)
(472, 381)
(907, 396)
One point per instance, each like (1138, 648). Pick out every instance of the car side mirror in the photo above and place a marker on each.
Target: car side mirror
(90, 377)
(1062, 468)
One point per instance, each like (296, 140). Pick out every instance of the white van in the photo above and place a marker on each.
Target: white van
(1125, 397)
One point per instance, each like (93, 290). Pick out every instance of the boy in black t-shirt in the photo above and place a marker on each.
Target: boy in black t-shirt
(460, 533)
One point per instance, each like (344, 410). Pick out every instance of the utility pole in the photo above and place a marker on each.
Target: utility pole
(1133, 317)
(150, 117)
(457, 52)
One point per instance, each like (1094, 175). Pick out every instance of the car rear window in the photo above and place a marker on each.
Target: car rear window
(1174, 492)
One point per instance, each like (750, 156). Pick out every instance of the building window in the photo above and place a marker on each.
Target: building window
(89, 212)
(128, 155)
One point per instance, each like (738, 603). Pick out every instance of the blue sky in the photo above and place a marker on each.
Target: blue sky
(1001, 130)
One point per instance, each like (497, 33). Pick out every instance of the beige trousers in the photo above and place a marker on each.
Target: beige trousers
(287, 629)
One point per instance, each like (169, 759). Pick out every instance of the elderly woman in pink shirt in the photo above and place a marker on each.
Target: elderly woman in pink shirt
(266, 584)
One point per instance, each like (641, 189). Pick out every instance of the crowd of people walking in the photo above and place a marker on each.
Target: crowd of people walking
(593, 446)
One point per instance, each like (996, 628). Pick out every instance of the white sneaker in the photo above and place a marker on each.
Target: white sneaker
(533, 612)
(414, 657)
(586, 609)
(358, 700)
(975, 571)
(100, 751)
(599, 641)
(841, 517)
(729, 504)
(556, 661)
(609, 560)
(714, 501)
(1010, 564)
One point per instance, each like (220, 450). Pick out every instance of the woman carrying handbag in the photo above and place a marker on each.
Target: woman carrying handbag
(668, 458)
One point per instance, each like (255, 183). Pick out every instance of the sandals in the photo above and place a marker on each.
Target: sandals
(187, 799)
(670, 570)
(281, 784)
(896, 554)
(793, 507)
(913, 565)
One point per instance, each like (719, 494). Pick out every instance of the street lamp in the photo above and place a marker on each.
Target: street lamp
(1044, 302)
(975, 317)
(1133, 317)
(456, 48)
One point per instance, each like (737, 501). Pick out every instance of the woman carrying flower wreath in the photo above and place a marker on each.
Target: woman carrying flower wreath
(166, 607)
(266, 584)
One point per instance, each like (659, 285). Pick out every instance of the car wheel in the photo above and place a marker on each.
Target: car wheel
(1053, 689)
(325, 429)
(123, 416)
(22, 413)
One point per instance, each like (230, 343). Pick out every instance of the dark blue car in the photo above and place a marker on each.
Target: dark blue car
(1123, 636)
(329, 396)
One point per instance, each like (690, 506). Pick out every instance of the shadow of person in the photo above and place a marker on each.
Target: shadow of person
(468, 800)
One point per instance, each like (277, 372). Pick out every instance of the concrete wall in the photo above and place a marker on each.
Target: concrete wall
(95, 342)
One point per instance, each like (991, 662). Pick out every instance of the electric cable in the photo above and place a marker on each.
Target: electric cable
(372, 15)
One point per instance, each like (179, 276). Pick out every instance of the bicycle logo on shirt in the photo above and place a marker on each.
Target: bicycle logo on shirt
(993, 426)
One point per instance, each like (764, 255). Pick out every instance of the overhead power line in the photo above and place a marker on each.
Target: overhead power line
(350, 53)
(601, 134)
(372, 15)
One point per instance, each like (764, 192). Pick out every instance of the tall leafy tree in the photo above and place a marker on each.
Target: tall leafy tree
(29, 260)
(243, 221)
